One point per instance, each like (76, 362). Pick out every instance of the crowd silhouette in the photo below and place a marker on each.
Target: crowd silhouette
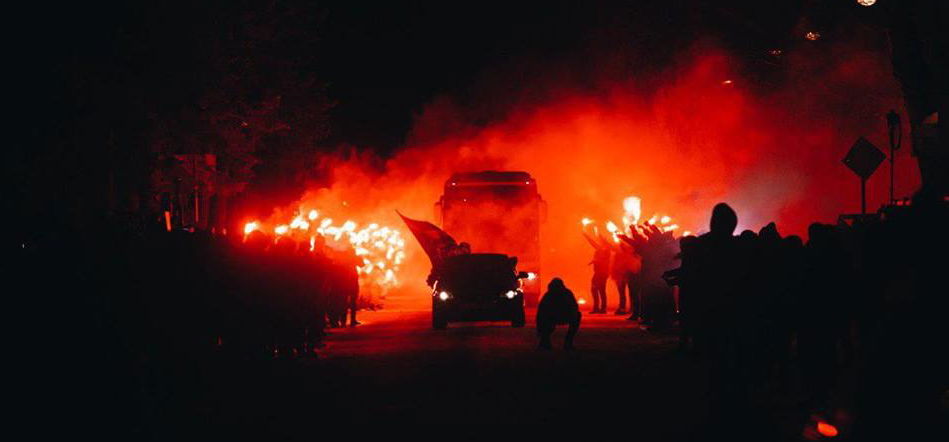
(849, 319)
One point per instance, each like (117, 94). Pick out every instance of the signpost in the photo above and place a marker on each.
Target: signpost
(863, 159)
(896, 139)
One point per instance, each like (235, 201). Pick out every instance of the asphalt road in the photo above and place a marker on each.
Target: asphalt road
(396, 370)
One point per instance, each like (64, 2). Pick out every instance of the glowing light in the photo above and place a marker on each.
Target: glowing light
(443, 296)
(380, 248)
(866, 2)
(633, 206)
(299, 223)
(775, 52)
(826, 430)
(581, 301)
(510, 294)
(531, 276)
(727, 82)
(812, 35)
(250, 227)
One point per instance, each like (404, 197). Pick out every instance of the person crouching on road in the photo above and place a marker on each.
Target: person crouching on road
(558, 307)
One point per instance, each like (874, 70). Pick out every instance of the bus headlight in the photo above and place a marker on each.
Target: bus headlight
(510, 294)
(443, 295)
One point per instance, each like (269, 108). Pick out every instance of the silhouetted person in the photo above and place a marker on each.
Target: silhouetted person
(679, 277)
(715, 270)
(351, 283)
(601, 272)
(558, 307)
(822, 318)
(622, 270)
(653, 302)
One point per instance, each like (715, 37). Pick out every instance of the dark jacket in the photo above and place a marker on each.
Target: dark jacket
(558, 304)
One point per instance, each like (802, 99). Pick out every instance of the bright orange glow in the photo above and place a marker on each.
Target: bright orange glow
(379, 249)
(674, 148)
(826, 430)
(632, 206)
(250, 227)
(299, 223)
(581, 301)
(812, 35)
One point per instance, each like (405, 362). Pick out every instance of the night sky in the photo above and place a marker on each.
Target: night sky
(383, 62)
(100, 81)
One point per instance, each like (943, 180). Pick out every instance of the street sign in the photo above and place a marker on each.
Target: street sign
(864, 158)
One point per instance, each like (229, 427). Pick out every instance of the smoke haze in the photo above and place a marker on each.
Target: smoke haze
(683, 139)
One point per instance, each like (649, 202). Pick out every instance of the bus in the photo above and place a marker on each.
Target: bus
(497, 212)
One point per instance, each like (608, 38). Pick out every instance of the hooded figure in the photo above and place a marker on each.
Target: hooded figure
(724, 221)
(557, 307)
(711, 269)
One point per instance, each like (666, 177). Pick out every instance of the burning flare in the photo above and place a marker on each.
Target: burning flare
(632, 208)
(380, 248)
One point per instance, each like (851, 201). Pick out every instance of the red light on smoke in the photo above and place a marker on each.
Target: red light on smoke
(250, 227)
(826, 430)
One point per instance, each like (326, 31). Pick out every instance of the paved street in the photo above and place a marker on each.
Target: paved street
(395, 368)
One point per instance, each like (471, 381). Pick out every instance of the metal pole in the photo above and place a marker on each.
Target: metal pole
(863, 196)
(896, 138)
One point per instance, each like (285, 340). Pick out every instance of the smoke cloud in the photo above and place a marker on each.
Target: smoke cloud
(683, 139)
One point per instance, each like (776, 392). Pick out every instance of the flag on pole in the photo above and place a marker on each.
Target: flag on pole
(432, 239)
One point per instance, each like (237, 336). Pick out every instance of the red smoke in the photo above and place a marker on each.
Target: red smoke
(708, 134)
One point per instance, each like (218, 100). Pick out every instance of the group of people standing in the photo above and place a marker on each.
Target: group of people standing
(766, 311)
(256, 296)
(635, 264)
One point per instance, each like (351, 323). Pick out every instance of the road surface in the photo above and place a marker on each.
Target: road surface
(395, 369)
